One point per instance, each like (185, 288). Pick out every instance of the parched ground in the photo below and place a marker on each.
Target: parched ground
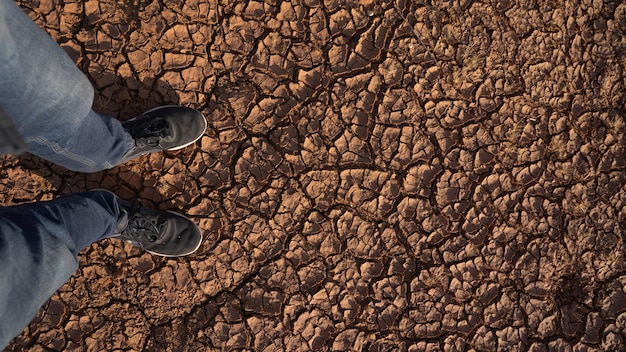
(377, 176)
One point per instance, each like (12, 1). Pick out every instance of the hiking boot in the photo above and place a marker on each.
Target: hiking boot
(164, 128)
(163, 233)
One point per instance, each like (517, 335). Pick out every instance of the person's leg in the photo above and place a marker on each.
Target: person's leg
(50, 99)
(39, 243)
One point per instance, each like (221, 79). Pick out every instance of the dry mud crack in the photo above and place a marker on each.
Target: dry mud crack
(377, 176)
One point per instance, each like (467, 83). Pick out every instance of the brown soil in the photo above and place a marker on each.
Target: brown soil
(377, 176)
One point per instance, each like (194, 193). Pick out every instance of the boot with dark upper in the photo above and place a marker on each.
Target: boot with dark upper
(163, 233)
(164, 128)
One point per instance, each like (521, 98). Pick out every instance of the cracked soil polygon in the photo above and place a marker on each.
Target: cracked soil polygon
(377, 176)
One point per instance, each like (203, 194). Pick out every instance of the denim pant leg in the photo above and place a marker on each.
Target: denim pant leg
(50, 99)
(39, 243)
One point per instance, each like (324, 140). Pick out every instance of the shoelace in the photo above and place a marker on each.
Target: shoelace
(140, 226)
(150, 133)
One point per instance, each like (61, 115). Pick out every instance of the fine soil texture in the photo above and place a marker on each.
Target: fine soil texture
(376, 176)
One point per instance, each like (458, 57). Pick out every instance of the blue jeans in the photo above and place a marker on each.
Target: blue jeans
(39, 243)
(50, 100)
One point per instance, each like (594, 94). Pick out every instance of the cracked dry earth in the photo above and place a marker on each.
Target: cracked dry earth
(377, 176)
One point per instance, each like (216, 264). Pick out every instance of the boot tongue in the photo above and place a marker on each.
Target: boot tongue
(140, 226)
(156, 126)
(151, 133)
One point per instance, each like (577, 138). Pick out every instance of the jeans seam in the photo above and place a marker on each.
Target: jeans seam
(55, 147)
